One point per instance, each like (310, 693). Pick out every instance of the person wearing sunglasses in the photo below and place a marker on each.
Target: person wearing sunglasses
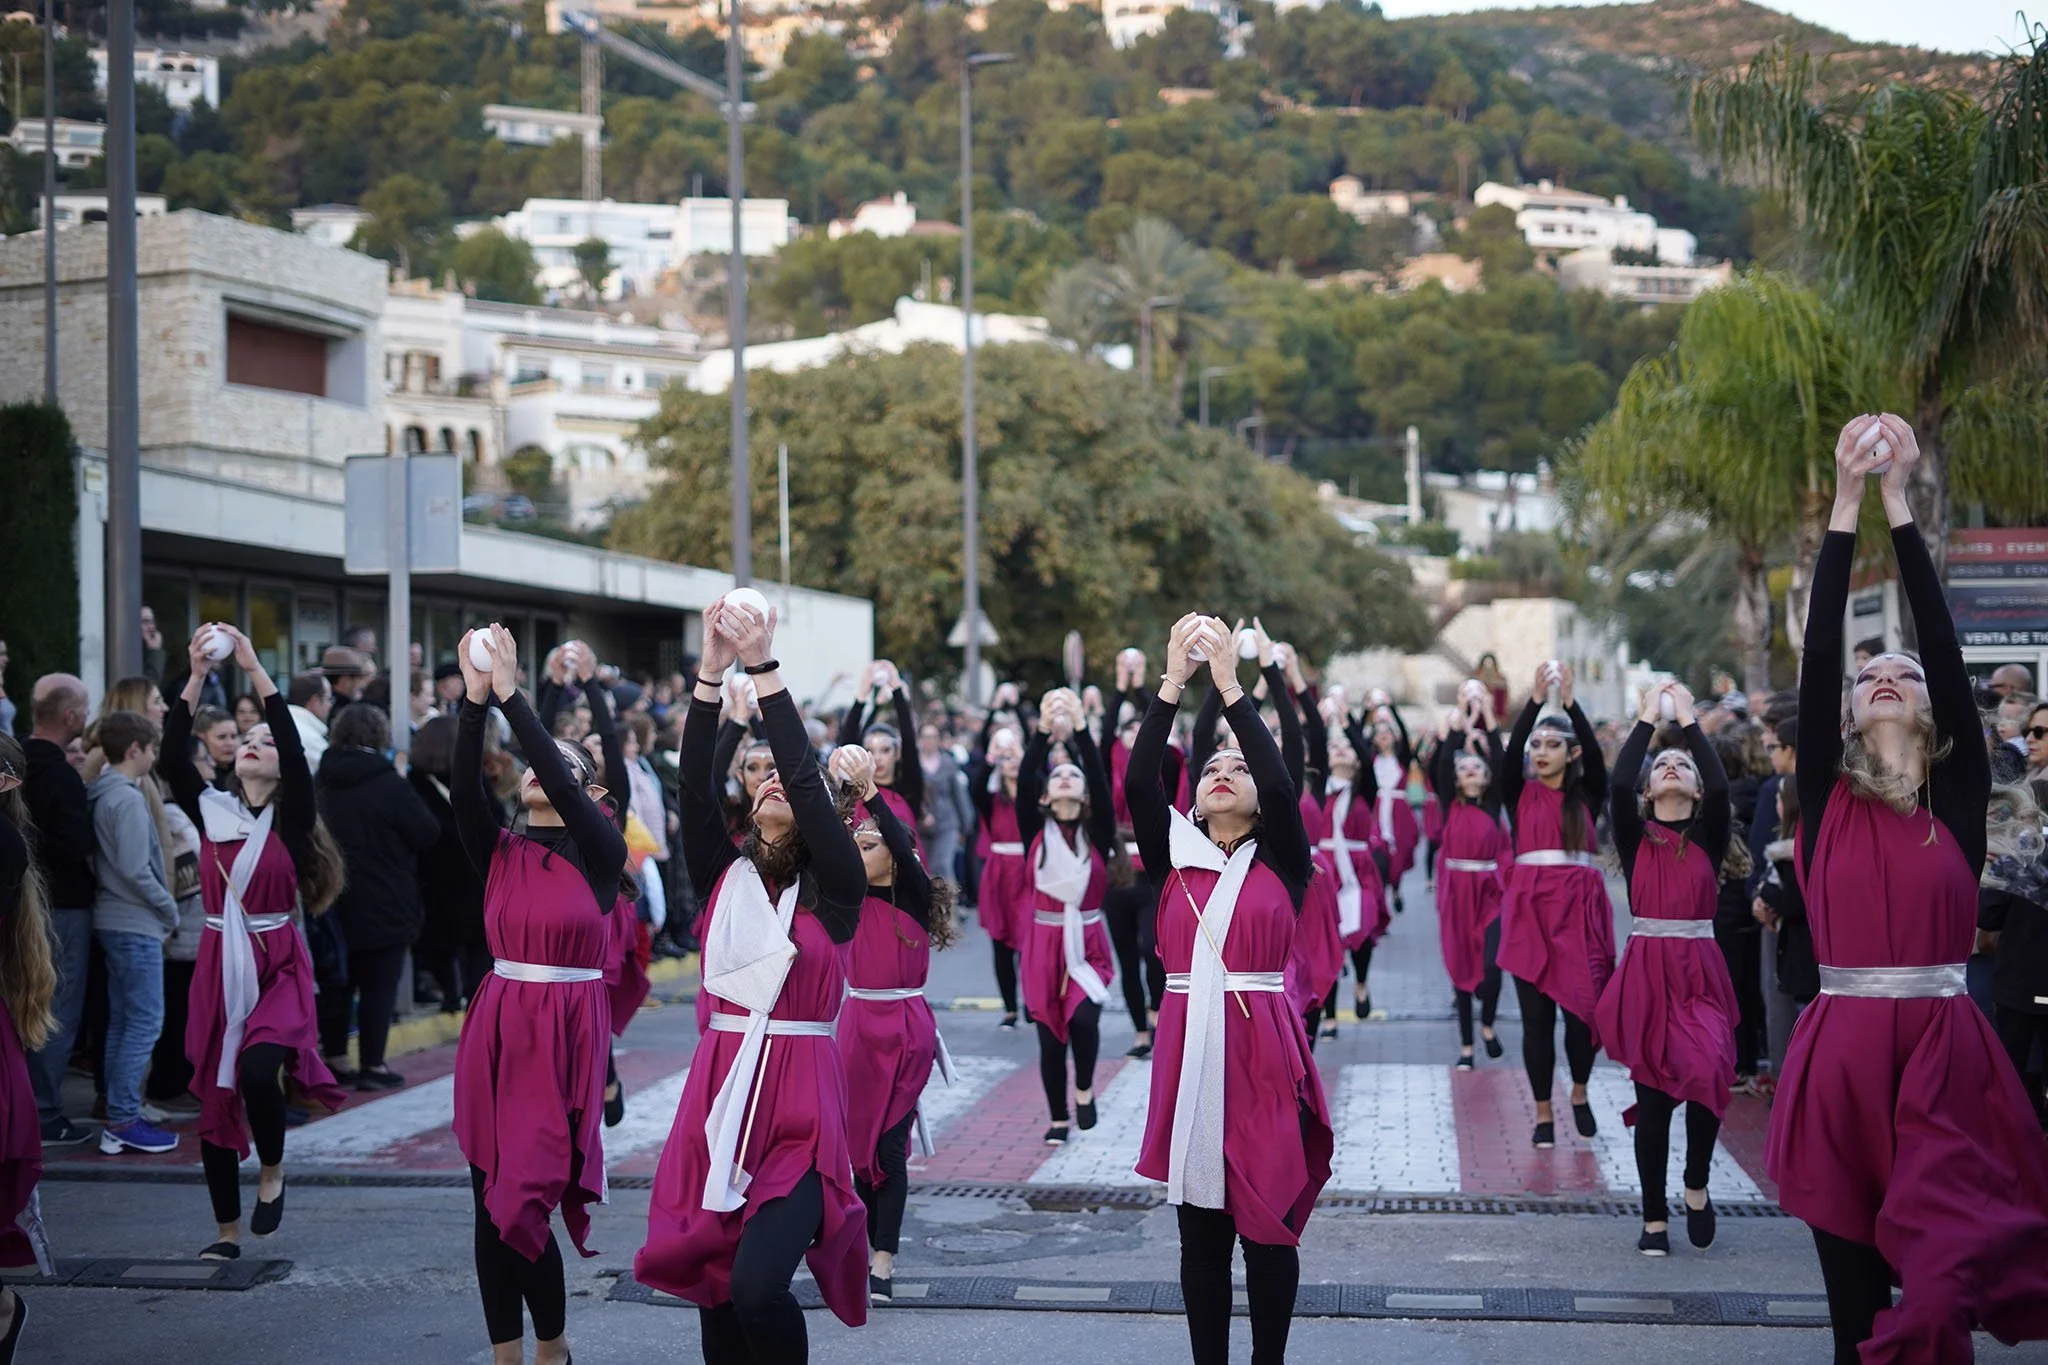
(2036, 735)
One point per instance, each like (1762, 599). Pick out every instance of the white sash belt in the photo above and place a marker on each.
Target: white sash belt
(1894, 983)
(777, 1028)
(227, 819)
(1555, 857)
(1182, 983)
(884, 992)
(256, 924)
(1132, 850)
(1052, 919)
(1471, 865)
(1671, 928)
(545, 974)
(1007, 850)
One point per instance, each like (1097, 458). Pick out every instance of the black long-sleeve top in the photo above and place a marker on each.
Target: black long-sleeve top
(731, 734)
(1443, 769)
(1202, 743)
(1362, 745)
(617, 782)
(13, 867)
(1293, 748)
(911, 891)
(1959, 786)
(1508, 780)
(908, 782)
(1100, 817)
(293, 800)
(1318, 736)
(587, 838)
(834, 881)
(1708, 826)
(1283, 839)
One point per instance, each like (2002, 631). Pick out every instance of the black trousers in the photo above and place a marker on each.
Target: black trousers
(509, 1283)
(460, 970)
(1271, 1276)
(170, 1070)
(1006, 974)
(885, 1201)
(1654, 1109)
(1744, 951)
(1129, 911)
(763, 1324)
(1859, 1286)
(1084, 1036)
(260, 1077)
(1539, 1041)
(372, 988)
(1488, 992)
(2024, 1032)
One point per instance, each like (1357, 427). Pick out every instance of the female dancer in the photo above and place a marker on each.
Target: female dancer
(1556, 923)
(625, 972)
(530, 1065)
(1668, 1013)
(1900, 1133)
(27, 981)
(1130, 908)
(1238, 1127)
(1005, 894)
(1364, 912)
(1317, 961)
(263, 859)
(901, 784)
(1385, 758)
(1066, 959)
(757, 1173)
(888, 1038)
(1468, 876)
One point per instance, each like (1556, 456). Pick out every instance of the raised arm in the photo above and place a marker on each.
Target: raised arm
(476, 815)
(1283, 838)
(724, 748)
(1403, 750)
(1202, 743)
(909, 782)
(1715, 821)
(1507, 778)
(707, 848)
(852, 721)
(174, 761)
(1592, 763)
(547, 703)
(841, 877)
(1820, 683)
(1031, 786)
(1293, 752)
(598, 839)
(913, 888)
(1318, 736)
(606, 727)
(1961, 783)
(294, 799)
(1622, 808)
(1144, 786)
(1101, 804)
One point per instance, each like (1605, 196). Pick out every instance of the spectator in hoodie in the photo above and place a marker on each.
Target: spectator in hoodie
(311, 701)
(63, 851)
(133, 912)
(168, 1092)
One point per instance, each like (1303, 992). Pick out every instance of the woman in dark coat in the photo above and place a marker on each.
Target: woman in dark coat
(452, 944)
(382, 827)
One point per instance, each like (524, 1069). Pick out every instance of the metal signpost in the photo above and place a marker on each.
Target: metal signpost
(414, 501)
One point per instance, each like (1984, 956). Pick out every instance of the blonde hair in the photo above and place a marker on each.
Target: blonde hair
(2013, 836)
(28, 977)
(1866, 775)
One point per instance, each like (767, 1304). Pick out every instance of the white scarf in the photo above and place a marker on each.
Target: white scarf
(1350, 897)
(227, 820)
(1386, 770)
(1194, 1164)
(747, 956)
(1064, 874)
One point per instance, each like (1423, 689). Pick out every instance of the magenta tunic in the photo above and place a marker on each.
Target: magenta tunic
(799, 1124)
(284, 1005)
(1432, 819)
(1316, 959)
(1006, 892)
(1276, 1124)
(1407, 834)
(1467, 903)
(625, 976)
(1668, 1013)
(1362, 832)
(1556, 923)
(1900, 1123)
(530, 1065)
(1049, 993)
(21, 1144)
(888, 1046)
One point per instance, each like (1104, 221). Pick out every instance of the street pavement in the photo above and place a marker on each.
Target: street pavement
(1444, 1236)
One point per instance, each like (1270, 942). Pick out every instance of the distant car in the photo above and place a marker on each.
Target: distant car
(477, 506)
(517, 507)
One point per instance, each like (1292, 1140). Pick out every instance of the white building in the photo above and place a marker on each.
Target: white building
(1349, 193)
(526, 127)
(1129, 20)
(1595, 268)
(329, 224)
(185, 77)
(641, 238)
(90, 206)
(705, 226)
(891, 217)
(1492, 502)
(78, 142)
(261, 377)
(1558, 220)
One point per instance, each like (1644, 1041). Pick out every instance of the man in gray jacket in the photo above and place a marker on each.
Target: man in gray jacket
(947, 820)
(133, 912)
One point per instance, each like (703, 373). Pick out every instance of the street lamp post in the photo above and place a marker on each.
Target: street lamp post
(970, 477)
(1202, 387)
(1145, 335)
(736, 308)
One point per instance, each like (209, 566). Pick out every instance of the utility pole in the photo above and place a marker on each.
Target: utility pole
(50, 205)
(736, 309)
(593, 143)
(124, 433)
(970, 472)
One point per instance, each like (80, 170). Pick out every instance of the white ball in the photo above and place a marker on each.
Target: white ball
(750, 599)
(1881, 456)
(1666, 707)
(481, 654)
(218, 644)
(1247, 644)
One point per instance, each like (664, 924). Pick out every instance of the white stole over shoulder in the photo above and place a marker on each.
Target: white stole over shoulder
(1393, 786)
(226, 820)
(747, 956)
(1064, 874)
(1194, 1164)
(1350, 896)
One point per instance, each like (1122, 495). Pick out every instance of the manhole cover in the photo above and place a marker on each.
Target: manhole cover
(981, 1243)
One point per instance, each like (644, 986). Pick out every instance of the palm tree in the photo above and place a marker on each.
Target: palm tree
(1160, 288)
(1928, 216)
(1735, 427)
(1076, 308)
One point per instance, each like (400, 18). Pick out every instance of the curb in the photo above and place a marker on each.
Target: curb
(438, 1029)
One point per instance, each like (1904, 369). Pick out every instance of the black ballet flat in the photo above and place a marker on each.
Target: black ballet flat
(1361, 1009)
(1582, 1119)
(615, 1108)
(1084, 1114)
(268, 1214)
(1138, 1052)
(1399, 908)
(1654, 1243)
(1009, 1022)
(881, 1290)
(1465, 1062)
(1056, 1136)
(1545, 1136)
(1699, 1224)
(13, 1337)
(222, 1251)
(1493, 1047)
(1330, 1030)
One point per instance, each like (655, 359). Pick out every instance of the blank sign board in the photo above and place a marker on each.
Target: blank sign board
(433, 513)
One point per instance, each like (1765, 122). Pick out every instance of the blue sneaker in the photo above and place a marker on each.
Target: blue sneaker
(137, 1136)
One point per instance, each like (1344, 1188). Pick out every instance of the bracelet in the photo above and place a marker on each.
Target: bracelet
(1229, 700)
(765, 666)
(1173, 682)
(715, 684)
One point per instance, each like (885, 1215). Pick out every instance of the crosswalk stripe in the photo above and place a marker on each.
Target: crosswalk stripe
(650, 1113)
(1395, 1129)
(1610, 1092)
(973, 1078)
(366, 1129)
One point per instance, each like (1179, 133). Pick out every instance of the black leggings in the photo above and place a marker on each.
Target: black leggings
(1271, 1275)
(1859, 1285)
(885, 1202)
(1489, 990)
(763, 1325)
(373, 986)
(459, 970)
(260, 1073)
(2022, 1031)
(1084, 1035)
(1743, 949)
(1130, 911)
(1654, 1109)
(509, 1282)
(1539, 1041)
(1006, 975)
(170, 1070)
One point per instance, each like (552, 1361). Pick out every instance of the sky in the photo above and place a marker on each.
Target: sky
(1944, 25)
